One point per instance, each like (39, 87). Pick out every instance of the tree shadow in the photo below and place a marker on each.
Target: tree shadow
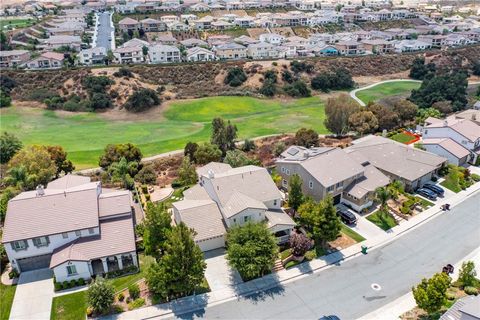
(260, 289)
(189, 307)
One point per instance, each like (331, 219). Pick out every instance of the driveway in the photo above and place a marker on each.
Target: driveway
(218, 273)
(34, 294)
(364, 227)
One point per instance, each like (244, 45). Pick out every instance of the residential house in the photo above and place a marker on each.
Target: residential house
(226, 197)
(178, 26)
(55, 42)
(170, 19)
(73, 227)
(272, 38)
(435, 41)
(128, 24)
(199, 54)
(93, 56)
(411, 45)
(221, 25)
(47, 60)
(262, 50)
(160, 53)
(463, 133)
(204, 23)
(411, 166)
(350, 47)
(230, 51)
(13, 58)
(199, 7)
(378, 46)
(129, 54)
(193, 42)
(245, 40)
(152, 25)
(465, 308)
(331, 171)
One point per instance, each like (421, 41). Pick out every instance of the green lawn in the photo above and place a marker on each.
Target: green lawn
(5, 24)
(352, 234)
(387, 89)
(6, 297)
(85, 135)
(382, 220)
(402, 137)
(69, 307)
(122, 283)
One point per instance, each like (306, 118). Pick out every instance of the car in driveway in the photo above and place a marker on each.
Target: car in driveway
(438, 190)
(427, 193)
(347, 217)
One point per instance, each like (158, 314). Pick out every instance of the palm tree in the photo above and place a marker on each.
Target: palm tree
(395, 188)
(17, 177)
(382, 194)
(120, 172)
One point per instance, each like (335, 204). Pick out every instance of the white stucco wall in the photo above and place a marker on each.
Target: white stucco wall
(61, 275)
(256, 215)
(446, 132)
(438, 150)
(56, 241)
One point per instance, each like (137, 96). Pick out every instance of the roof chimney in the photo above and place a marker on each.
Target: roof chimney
(306, 154)
(445, 123)
(40, 191)
(211, 174)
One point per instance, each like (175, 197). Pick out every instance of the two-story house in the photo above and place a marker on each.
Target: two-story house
(128, 24)
(230, 51)
(199, 54)
(13, 58)
(331, 171)
(225, 197)
(454, 138)
(73, 227)
(152, 25)
(47, 60)
(160, 53)
(93, 56)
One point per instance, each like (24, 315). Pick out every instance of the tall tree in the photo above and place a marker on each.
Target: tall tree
(38, 164)
(331, 225)
(190, 149)
(306, 138)
(382, 194)
(181, 270)
(59, 157)
(430, 295)
(467, 275)
(157, 224)
(223, 135)
(186, 173)
(252, 250)
(115, 152)
(207, 152)
(9, 146)
(338, 111)
(122, 171)
(295, 194)
(363, 122)
(237, 158)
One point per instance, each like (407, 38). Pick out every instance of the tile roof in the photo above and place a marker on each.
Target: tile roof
(114, 203)
(372, 179)
(450, 145)
(279, 217)
(116, 237)
(239, 202)
(197, 192)
(215, 167)
(68, 181)
(128, 21)
(465, 127)
(57, 211)
(203, 216)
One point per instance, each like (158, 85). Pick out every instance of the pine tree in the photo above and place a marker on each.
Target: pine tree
(295, 195)
(331, 225)
(157, 224)
(186, 173)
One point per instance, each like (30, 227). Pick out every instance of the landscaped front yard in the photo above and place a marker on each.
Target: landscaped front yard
(403, 137)
(6, 298)
(70, 306)
(458, 178)
(382, 219)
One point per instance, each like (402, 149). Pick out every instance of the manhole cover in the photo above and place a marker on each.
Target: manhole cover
(376, 287)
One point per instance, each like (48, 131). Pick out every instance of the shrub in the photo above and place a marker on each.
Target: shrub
(123, 72)
(73, 283)
(134, 291)
(235, 77)
(89, 312)
(136, 304)
(278, 148)
(13, 274)
(471, 291)
(434, 179)
(450, 296)
(297, 89)
(121, 297)
(58, 286)
(100, 295)
(475, 177)
(310, 255)
(99, 100)
(176, 184)
(142, 100)
(40, 94)
(81, 282)
(144, 189)
(65, 284)
(248, 145)
(301, 66)
(147, 197)
(146, 175)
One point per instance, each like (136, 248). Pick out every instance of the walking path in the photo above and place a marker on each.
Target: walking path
(34, 295)
(191, 303)
(353, 93)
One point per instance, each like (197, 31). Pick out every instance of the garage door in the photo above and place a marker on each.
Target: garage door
(337, 198)
(33, 263)
(211, 244)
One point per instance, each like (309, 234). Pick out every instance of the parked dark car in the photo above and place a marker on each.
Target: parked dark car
(347, 217)
(438, 190)
(427, 193)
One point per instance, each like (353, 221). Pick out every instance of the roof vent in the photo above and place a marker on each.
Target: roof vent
(40, 191)
(445, 123)
(211, 174)
(306, 154)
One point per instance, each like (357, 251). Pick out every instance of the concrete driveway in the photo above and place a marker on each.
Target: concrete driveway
(33, 297)
(218, 273)
(364, 227)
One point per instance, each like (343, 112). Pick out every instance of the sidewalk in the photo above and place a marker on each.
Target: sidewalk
(192, 303)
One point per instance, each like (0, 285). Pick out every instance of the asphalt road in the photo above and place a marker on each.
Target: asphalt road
(104, 30)
(346, 290)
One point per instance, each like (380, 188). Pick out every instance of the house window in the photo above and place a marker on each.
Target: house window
(287, 171)
(310, 184)
(19, 245)
(339, 185)
(245, 219)
(275, 202)
(78, 233)
(91, 231)
(65, 235)
(234, 220)
(284, 183)
(41, 242)
(71, 270)
(330, 189)
(283, 169)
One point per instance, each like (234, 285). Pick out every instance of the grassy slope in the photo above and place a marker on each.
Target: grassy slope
(85, 135)
(6, 297)
(387, 89)
(69, 307)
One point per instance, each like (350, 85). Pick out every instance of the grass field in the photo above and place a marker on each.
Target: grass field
(382, 220)
(69, 307)
(6, 24)
(85, 135)
(402, 137)
(352, 234)
(387, 89)
(6, 297)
